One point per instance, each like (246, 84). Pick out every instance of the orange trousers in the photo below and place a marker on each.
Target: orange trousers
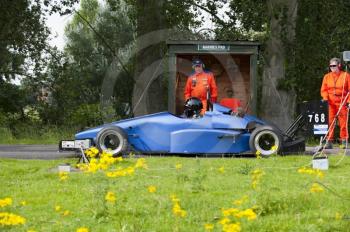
(342, 120)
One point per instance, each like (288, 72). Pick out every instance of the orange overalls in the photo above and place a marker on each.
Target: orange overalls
(334, 89)
(232, 103)
(198, 84)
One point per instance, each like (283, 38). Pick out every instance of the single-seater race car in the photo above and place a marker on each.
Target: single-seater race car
(219, 131)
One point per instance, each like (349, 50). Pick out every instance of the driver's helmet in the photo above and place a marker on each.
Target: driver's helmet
(193, 107)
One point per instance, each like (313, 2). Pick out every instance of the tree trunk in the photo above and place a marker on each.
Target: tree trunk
(278, 106)
(150, 92)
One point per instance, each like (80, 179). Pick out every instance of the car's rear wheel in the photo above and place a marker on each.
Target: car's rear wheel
(265, 141)
(113, 140)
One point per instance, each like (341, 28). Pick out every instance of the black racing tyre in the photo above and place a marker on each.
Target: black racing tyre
(112, 139)
(263, 139)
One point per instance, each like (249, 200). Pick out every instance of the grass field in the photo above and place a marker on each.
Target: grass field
(179, 194)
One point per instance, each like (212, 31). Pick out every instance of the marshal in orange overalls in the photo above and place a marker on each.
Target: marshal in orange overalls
(334, 89)
(198, 84)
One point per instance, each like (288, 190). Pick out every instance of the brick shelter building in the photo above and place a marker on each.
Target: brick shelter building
(234, 65)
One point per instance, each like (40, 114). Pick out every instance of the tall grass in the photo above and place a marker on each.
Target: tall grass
(35, 134)
(282, 199)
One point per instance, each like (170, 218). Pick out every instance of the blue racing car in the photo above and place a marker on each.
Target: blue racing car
(219, 131)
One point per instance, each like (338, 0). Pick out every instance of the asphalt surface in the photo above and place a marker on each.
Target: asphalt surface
(334, 151)
(34, 152)
(51, 152)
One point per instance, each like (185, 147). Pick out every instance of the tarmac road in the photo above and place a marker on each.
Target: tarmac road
(51, 152)
(34, 152)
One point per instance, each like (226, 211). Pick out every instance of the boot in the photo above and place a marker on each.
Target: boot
(328, 145)
(343, 144)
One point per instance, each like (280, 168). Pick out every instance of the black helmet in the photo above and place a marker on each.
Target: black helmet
(193, 107)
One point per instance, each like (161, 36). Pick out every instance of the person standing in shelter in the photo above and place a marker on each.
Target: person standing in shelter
(335, 89)
(201, 85)
(230, 101)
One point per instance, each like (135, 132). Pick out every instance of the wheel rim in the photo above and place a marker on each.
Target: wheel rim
(264, 143)
(111, 142)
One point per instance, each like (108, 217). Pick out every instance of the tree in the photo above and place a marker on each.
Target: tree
(76, 76)
(23, 49)
(23, 38)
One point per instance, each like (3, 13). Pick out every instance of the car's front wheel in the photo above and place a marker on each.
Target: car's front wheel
(112, 139)
(265, 141)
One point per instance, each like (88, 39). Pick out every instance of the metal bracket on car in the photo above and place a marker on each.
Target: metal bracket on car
(229, 136)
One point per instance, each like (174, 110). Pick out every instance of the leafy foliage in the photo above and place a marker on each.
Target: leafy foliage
(22, 39)
(97, 38)
(23, 49)
(319, 37)
(76, 75)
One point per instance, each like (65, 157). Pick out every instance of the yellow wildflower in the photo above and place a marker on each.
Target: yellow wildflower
(10, 219)
(274, 148)
(248, 213)
(23, 203)
(221, 169)
(318, 173)
(57, 208)
(82, 167)
(338, 216)
(92, 152)
(152, 189)
(63, 176)
(130, 170)
(224, 221)
(254, 184)
(82, 229)
(209, 226)
(5, 202)
(93, 166)
(258, 172)
(303, 170)
(316, 188)
(66, 213)
(121, 172)
(110, 197)
(232, 227)
(178, 166)
(106, 160)
(256, 176)
(141, 163)
(174, 198)
(240, 201)
(230, 211)
(177, 211)
(258, 154)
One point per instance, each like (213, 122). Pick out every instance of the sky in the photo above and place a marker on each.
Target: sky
(57, 23)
